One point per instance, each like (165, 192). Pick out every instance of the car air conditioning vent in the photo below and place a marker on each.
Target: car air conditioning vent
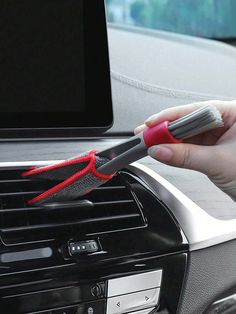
(109, 208)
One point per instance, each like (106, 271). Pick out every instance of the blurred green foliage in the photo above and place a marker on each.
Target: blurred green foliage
(206, 18)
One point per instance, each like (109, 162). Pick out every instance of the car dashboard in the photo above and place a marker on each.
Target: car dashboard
(152, 240)
(99, 252)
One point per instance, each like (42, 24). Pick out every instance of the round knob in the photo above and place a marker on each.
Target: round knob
(96, 290)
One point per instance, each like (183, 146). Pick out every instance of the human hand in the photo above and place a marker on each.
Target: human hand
(212, 153)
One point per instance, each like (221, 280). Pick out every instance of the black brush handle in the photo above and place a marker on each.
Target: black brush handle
(135, 148)
(123, 154)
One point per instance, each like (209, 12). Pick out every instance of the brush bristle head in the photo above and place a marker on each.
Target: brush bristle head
(200, 121)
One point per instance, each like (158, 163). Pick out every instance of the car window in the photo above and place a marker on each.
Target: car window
(202, 18)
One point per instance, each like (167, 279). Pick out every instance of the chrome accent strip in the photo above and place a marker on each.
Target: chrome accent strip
(223, 306)
(10, 257)
(200, 229)
(134, 283)
(146, 311)
(128, 303)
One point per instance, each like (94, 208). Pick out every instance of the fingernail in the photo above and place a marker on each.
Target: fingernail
(151, 119)
(161, 153)
(139, 129)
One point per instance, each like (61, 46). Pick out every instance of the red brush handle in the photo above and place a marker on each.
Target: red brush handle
(159, 134)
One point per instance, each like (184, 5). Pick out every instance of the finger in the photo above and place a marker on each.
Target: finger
(140, 129)
(187, 156)
(175, 113)
(171, 114)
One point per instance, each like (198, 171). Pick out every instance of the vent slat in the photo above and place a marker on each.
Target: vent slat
(38, 208)
(82, 222)
(112, 208)
(114, 202)
(12, 194)
(21, 209)
(14, 181)
(108, 188)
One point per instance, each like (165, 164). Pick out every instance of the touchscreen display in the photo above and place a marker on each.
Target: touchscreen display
(54, 68)
(41, 56)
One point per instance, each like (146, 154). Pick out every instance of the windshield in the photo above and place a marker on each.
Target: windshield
(203, 18)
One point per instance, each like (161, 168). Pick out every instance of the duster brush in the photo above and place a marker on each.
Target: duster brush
(82, 174)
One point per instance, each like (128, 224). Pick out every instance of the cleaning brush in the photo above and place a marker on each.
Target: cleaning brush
(80, 175)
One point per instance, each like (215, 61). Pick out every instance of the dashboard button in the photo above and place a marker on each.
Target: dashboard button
(97, 290)
(96, 307)
(133, 301)
(134, 283)
(83, 247)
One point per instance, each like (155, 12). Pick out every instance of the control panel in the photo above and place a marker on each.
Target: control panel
(76, 248)
(136, 294)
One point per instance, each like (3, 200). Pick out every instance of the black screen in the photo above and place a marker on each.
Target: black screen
(54, 68)
(41, 56)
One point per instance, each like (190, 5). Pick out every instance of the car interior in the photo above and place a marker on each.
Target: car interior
(153, 239)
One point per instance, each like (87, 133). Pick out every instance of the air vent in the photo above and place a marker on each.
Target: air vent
(109, 208)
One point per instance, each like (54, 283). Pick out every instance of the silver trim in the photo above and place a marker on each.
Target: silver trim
(26, 255)
(146, 311)
(134, 283)
(200, 229)
(222, 306)
(128, 303)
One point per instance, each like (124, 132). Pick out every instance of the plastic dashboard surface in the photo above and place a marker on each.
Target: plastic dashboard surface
(204, 278)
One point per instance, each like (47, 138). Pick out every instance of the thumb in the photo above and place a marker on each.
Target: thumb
(189, 156)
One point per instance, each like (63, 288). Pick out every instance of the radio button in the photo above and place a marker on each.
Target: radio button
(77, 248)
(133, 301)
(97, 290)
(130, 284)
(96, 307)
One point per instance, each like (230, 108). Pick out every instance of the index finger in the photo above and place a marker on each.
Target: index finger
(174, 113)
(171, 114)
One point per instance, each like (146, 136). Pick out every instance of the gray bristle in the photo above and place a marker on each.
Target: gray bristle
(197, 122)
